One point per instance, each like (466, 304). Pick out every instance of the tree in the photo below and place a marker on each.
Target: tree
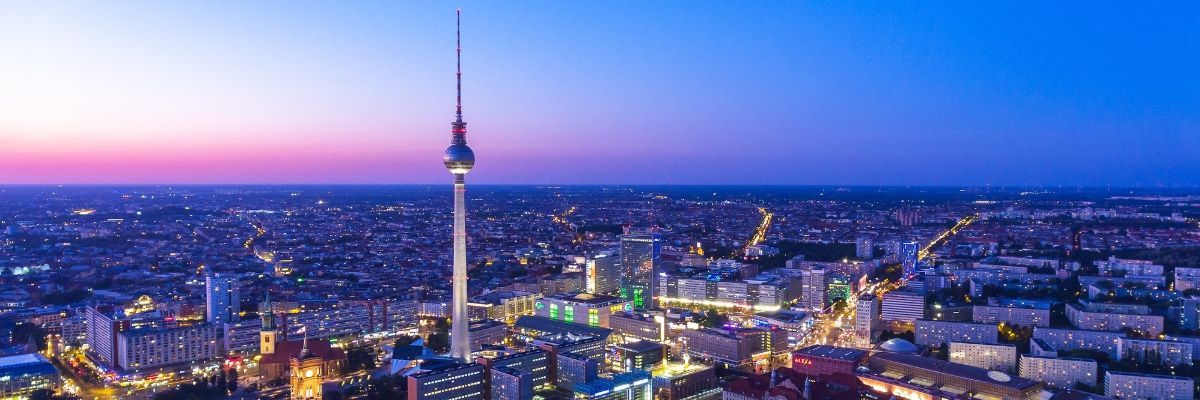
(439, 340)
(358, 358)
(232, 380)
(714, 319)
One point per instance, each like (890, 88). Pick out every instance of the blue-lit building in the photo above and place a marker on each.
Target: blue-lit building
(21, 375)
(641, 254)
(634, 385)
(908, 256)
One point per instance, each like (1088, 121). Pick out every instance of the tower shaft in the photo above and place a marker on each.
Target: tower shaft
(460, 347)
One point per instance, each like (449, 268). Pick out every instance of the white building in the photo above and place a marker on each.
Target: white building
(997, 357)
(1165, 352)
(1131, 385)
(153, 347)
(813, 289)
(1186, 278)
(866, 320)
(1062, 373)
(934, 333)
(222, 302)
(902, 307)
(1083, 318)
(1011, 315)
(1075, 339)
(1118, 266)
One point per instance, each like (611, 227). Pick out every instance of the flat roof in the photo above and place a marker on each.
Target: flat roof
(955, 369)
(588, 298)
(834, 352)
(641, 345)
(1172, 377)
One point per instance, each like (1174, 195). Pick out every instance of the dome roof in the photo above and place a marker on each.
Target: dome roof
(898, 345)
(459, 158)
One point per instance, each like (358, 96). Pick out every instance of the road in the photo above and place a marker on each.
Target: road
(835, 327)
(760, 233)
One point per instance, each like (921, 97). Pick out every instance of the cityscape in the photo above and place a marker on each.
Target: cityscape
(124, 284)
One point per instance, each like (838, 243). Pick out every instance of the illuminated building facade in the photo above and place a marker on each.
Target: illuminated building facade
(641, 254)
(581, 308)
(222, 302)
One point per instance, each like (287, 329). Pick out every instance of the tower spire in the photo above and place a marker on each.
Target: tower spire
(458, 128)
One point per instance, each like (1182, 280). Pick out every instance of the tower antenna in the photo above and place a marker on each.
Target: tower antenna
(458, 62)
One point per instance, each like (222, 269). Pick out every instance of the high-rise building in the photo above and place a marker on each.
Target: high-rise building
(864, 248)
(866, 320)
(221, 298)
(603, 274)
(902, 308)
(908, 256)
(640, 257)
(812, 289)
(459, 159)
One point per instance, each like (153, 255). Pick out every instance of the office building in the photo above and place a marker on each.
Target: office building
(456, 381)
(747, 349)
(510, 384)
(602, 274)
(486, 332)
(867, 320)
(222, 302)
(996, 357)
(901, 308)
(144, 348)
(536, 362)
(1063, 339)
(1061, 373)
(813, 289)
(634, 385)
(677, 381)
(641, 255)
(1132, 385)
(22, 375)
(819, 360)
(459, 159)
(796, 323)
(580, 308)
(574, 368)
(645, 355)
(934, 333)
(502, 305)
(638, 326)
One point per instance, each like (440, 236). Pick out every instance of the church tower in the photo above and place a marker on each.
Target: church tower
(307, 375)
(267, 336)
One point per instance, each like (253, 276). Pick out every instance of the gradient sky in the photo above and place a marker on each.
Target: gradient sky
(872, 93)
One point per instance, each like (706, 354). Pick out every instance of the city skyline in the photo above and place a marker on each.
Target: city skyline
(868, 94)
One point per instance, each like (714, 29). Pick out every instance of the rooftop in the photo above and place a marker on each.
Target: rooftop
(586, 298)
(834, 352)
(957, 370)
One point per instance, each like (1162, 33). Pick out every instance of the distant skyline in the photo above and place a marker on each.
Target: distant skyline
(868, 93)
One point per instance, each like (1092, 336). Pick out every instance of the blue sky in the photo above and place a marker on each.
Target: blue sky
(874, 93)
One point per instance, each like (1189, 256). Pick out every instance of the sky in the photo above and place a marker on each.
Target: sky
(1065, 93)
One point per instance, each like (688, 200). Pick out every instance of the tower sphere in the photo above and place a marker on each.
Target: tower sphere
(459, 158)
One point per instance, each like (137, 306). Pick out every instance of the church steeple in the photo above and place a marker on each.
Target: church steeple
(267, 335)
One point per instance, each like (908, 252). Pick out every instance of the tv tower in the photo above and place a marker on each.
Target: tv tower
(459, 159)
